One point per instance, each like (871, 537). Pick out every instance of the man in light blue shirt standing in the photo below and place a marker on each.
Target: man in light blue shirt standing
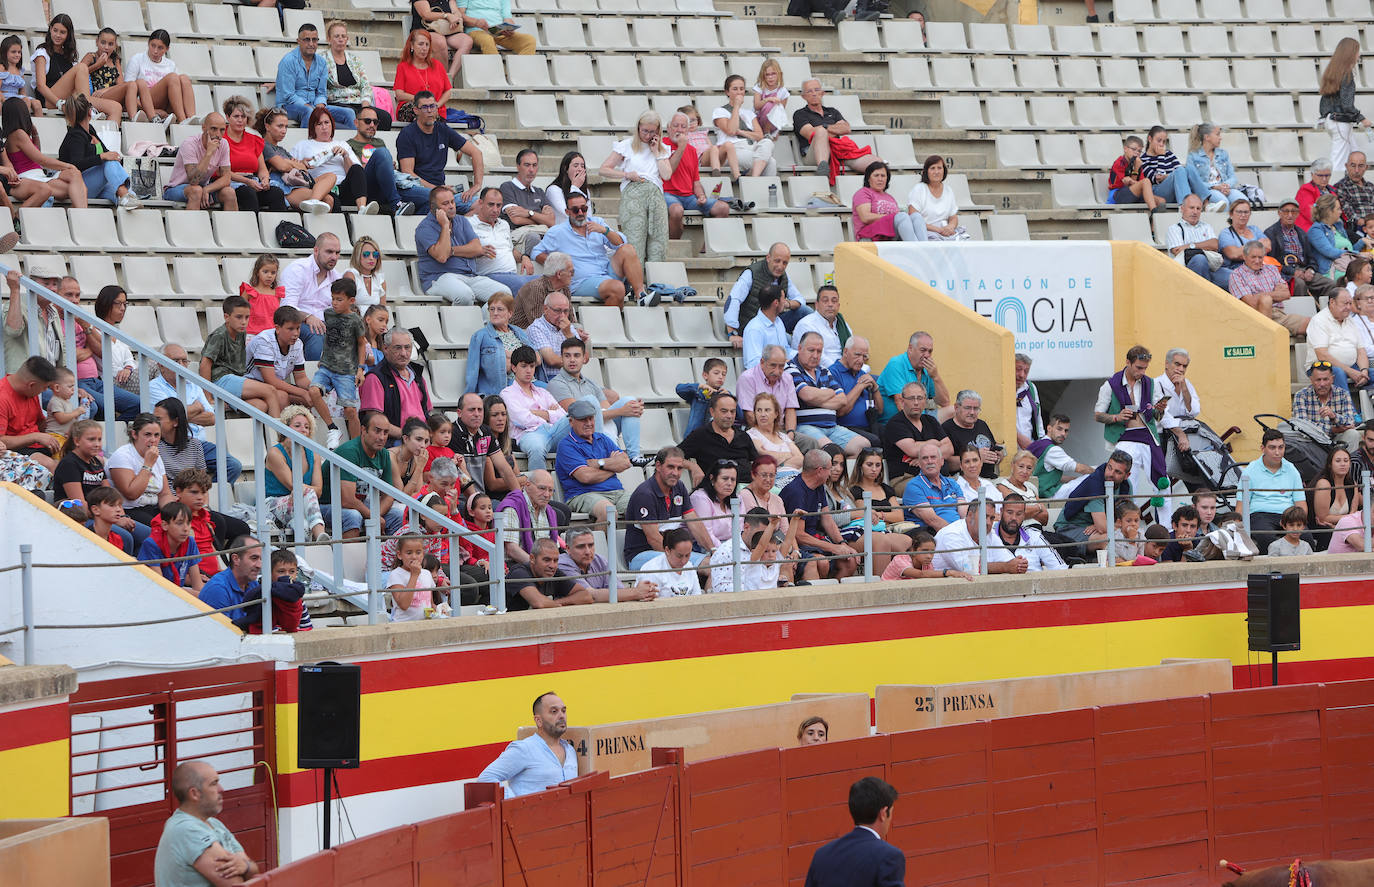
(766, 328)
(303, 82)
(541, 759)
(1275, 486)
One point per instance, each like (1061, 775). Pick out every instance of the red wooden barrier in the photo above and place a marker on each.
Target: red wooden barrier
(1148, 794)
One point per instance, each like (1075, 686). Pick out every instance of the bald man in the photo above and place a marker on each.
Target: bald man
(196, 850)
(200, 174)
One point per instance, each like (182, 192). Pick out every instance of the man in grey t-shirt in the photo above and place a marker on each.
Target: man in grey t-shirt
(569, 385)
(195, 846)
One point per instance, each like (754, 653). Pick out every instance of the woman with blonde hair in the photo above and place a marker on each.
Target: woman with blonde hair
(768, 437)
(641, 164)
(1327, 235)
(1337, 107)
(1020, 480)
(348, 84)
(365, 267)
(1213, 166)
(282, 476)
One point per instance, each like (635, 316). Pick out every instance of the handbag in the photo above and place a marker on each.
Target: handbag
(292, 236)
(491, 151)
(143, 178)
(1214, 258)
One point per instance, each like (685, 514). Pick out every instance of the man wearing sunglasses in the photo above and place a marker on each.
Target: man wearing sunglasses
(587, 239)
(303, 81)
(1327, 406)
(379, 169)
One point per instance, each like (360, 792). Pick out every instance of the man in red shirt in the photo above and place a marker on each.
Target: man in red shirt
(683, 189)
(21, 415)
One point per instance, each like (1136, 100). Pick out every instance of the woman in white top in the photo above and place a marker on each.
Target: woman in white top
(932, 211)
(736, 121)
(156, 90)
(571, 179)
(365, 267)
(641, 164)
(969, 478)
(321, 153)
(137, 472)
(1021, 482)
(768, 439)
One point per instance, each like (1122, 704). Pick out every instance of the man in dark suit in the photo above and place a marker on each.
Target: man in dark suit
(862, 857)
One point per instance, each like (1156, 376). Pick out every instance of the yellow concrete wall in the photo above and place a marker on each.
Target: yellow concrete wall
(1158, 304)
(886, 305)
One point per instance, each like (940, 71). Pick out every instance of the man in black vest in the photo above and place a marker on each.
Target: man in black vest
(396, 386)
(743, 303)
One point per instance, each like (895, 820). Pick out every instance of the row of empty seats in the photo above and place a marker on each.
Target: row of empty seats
(1230, 10)
(550, 110)
(1132, 112)
(619, 34)
(214, 21)
(673, 8)
(618, 71)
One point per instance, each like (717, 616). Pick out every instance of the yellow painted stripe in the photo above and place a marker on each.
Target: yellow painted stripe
(36, 785)
(430, 719)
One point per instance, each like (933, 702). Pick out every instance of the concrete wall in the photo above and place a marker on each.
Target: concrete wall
(45, 852)
(35, 745)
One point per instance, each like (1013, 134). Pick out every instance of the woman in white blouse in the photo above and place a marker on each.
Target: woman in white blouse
(571, 179)
(737, 123)
(365, 267)
(641, 164)
(323, 154)
(932, 211)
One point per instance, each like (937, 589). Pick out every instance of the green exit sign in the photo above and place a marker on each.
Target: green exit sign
(1229, 352)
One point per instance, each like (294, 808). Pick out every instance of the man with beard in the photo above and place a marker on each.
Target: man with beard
(543, 758)
(1025, 541)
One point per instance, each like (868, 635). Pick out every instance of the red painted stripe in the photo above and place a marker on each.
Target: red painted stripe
(31, 726)
(389, 774)
(1316, 672)
(687, 643)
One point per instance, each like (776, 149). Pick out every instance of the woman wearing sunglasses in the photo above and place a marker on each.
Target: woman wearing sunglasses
(365, 267)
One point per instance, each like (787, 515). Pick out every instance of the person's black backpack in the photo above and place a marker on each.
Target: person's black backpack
(292, 236)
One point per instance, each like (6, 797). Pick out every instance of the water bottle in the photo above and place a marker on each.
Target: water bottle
(772, 196)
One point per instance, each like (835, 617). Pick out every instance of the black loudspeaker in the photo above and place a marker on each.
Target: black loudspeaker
(1274, 612)
(328, 717)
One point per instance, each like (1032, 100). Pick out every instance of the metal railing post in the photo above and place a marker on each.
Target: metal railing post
(498, 566)
(298, 529)
(145, 401)
(107, 387)
(1364, 506)
(221, 468)
(735, 530)
(336, 525)
(1244, 503)
(612, 562)
(983, 531)
(26, 562)
(264, 527)
(1111, 524)
(868, 536)
(374, 557)
(69, 341)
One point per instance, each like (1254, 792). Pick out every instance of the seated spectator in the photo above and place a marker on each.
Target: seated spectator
(1024, 540)
(682, 189)
(906, 432)
(487, 461)
(200, 409)
(137, 472)
(658, 505)
(1358, 273)
(200, 175)
(641, 162)
(555, 277)
(1326, 237)
(1327, 406)
(1084, 517)
(46, 270)
(117, 365)
(1183, 536)
(539, 423)
(156, 91)
(580, 560)
(283, 476)
(1194, 242)
(1291, 544)
(851, 372)
(1260, 285)
(419, 71)
(397, 194)
(1213, 166)
(237, 584)
(21, 413)
(286, 172)
(66, 405)
(820, 127)
(540, 583)
(820, 400)
(569, 386)
(819, 537)
(867, 477)
(57, 75)
(1334, 337)
(1290, 246)
(770, 375)
(212, 530)
(965, 427)
(1346, 538)
(1356, 195)
(670, 571)
(719, 439)
(1205, 501)
(106, 71)
(348, 84)
(422, 150)
(323, 154)
(447, 247)
(396, 386)
(27, 160)
(571, 179)
(14, 80)
(105, 510)
(1052, 463)
(770, 98)
(738, 126)
(1130, 545)
(276, 356)
(917, 365)
(697, 396)
(587, 240)
(1168, 177)
(848, 512)
(875, 210)
(1232, 241)
(1021, 481)
(711, 501)
(500, 259)
(81, 463)
(587, 463)
(1364, 311)
(759, 492)
(491, 348)
(446, 29)
(365, 270)
(969, 476)
(932, 209)
(1317, 185)
(1126, 181)
(771, 440)
(101, 169)
(178, 449)
(757, 550)
(303, 81)
(224, 359)
(368, 452)
(489, 24)
(1274, 487)
(253, 188)
(1335, 493)
(526, 208)
(743, 303)
(527, 516)
(708, 152)
(767, 328)
(172, 540)
(827, 322)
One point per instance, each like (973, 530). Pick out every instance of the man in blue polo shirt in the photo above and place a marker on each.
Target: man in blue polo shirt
(820, 398)
(422, 150)
(587, 465)
(931, 499)
(916, 364)
(238, 583)
(1275, 486)
(587, 239)
(447, 248)
(851, 372)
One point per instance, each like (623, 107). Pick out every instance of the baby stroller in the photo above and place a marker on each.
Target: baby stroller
(1306, 445)
(1207, 465)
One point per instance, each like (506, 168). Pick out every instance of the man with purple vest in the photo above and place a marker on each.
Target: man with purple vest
(1052, 463)
(529, 516)
(1126, 405)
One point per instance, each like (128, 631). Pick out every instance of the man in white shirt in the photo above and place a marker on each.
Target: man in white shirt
(827, 322)
(766, 328)
(956, 545)
(1191, 233)
(200, 410)
(1030, 425)
(500, 260)
(306, 282)
(1185, 405)
(671, 569)
(1027, 543)
(1052, 463)
(1334, 336)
